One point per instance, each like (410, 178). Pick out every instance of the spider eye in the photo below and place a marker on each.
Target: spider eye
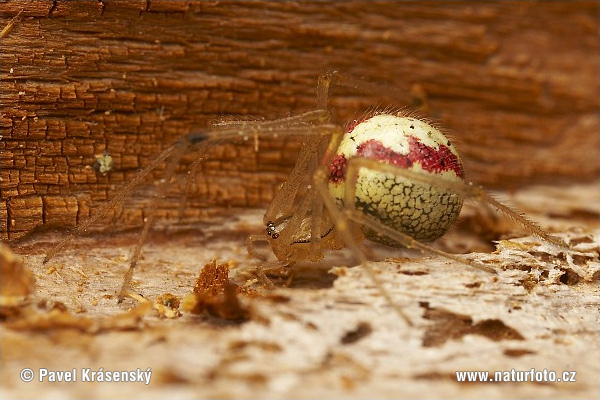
(275, 235)
(271, 229)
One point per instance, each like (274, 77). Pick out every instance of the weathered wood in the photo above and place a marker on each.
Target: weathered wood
(516, 82)
(329, 335)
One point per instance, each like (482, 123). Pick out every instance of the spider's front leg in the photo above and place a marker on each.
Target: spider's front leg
(300, 125)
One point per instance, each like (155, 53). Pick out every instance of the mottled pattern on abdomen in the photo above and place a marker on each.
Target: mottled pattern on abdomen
(419, 210)
(416, 209)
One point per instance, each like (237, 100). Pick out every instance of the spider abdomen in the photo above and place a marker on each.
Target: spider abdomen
(418, 209)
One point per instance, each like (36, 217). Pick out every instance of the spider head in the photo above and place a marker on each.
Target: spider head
(279, 239)
(272, 230)
(290, 238)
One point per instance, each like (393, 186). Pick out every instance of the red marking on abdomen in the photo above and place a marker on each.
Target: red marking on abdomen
(350, 127)
(374, 150)
(431, 160)
(337, 169)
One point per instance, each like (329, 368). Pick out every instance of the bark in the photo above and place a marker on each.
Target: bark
(515, 83)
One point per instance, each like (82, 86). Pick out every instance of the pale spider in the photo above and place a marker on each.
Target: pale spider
(392, 177)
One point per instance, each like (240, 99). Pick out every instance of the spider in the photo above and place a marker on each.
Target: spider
(391, 177)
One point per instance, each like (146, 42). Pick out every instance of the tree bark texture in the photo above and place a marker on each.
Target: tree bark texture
(515, 83)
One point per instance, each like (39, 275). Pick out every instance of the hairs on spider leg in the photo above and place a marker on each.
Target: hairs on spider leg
(468, 190)
(309, 123)
(343, 228)
(178, 152)
(112, 203)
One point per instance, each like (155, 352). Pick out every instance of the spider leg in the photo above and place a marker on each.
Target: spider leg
(337, 78)
(303, 124)
(111, 204)
(363, 219)
(285, 241)
(342, 225)
(251, 240)
(264, 279)
(316, 226)
(465, 190)
(309, 156)
(208, 138)
(149, 220)
(190, 183)
(273, 269)
(229, 130)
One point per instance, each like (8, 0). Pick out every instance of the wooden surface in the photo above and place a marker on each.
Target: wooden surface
(329, 335)
(515, 83)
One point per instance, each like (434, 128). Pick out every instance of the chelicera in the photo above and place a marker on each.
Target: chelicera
(391, 177)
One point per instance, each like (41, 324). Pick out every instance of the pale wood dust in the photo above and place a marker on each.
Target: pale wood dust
(337, 340)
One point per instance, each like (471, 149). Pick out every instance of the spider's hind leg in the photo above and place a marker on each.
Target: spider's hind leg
(345, 231)
(466, 190)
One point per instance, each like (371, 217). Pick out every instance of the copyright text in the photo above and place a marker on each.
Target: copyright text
(87, 375)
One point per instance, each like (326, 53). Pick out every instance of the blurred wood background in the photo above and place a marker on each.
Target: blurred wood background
(515, 82)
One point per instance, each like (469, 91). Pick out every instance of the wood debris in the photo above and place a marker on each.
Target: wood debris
(215, 295)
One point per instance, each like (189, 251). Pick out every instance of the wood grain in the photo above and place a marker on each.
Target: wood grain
(516, 85)
(515, 82)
